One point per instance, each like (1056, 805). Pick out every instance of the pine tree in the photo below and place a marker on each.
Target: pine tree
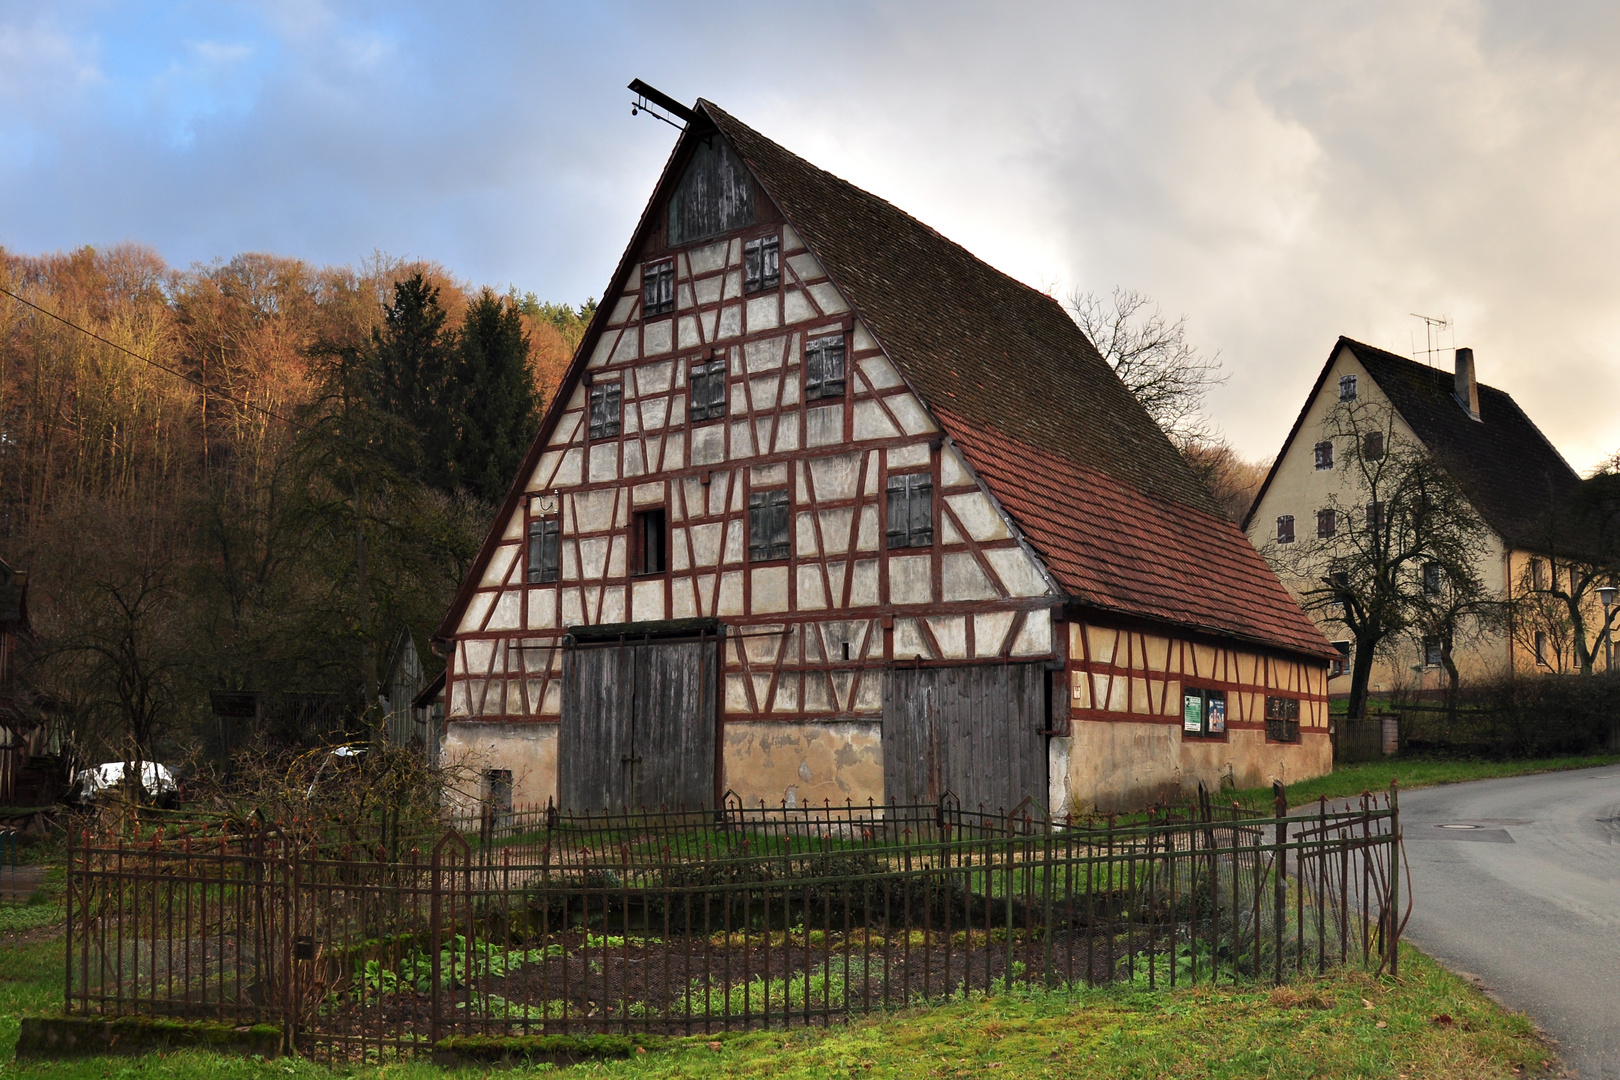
(490, 399)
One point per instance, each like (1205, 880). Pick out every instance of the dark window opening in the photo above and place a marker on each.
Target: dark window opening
(1433, 577)
(658, 289)
(1433, 655)
(760, 267)
(1203, 713)
(544, 550)
(498, 795)
(768, 519)
(1282, 719)
(607, 407)
(1327, 524)
(1285, 529)
(1541, 646)
(1372, 446)
(824, 367)
(708, 390)
(911, 510)
(650, 545)
(1324, 455)
(1347, 388)
(1375, 516)
(1341, 663)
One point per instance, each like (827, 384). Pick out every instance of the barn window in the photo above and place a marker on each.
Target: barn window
(1285, 529)
(768, 513)
(1433, 656)
(544, 553)
(1347, 388)
(760, 267)
(1432, 578)
(1203, 713)
(498, 796)
(911, 510)
(1375, 516)
(708, 390)
(1282, 719)
(649, 544)
(1324, 455)
(1341, 663)
(658, 288)
(1327, 524)
(824, 367)
(1372, 446)
(607, 401)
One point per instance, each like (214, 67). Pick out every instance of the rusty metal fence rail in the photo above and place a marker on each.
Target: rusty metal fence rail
(714, 921)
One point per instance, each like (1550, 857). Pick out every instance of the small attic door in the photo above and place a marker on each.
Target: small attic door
(640, 717)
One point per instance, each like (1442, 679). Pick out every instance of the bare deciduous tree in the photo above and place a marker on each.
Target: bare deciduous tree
(1153, 358)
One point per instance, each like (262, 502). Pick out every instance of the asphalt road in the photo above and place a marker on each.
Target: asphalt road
(1527, 901)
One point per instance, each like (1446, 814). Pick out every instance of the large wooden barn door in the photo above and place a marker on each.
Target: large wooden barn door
(976, 730)
(638, 724)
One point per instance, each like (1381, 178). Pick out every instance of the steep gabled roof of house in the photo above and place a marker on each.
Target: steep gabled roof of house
(1508, 470)
(1118, 549)
(1012, 379)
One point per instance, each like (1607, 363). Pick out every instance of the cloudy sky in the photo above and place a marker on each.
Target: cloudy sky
(1281, 173)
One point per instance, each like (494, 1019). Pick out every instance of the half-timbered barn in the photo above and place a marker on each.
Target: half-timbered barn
(828, 508)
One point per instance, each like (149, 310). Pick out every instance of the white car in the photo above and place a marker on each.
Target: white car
(156, 779)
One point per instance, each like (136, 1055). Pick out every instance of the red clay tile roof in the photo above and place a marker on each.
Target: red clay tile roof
(1117, 549)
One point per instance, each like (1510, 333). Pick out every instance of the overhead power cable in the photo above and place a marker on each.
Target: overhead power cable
(176, 372)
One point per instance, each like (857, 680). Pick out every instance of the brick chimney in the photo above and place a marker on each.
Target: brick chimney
(1467, 387)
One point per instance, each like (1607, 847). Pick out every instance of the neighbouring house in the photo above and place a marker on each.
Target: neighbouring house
(1507, 470)
(827, 508)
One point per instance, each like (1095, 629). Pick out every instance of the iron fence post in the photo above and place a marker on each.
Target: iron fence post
(1393, 933)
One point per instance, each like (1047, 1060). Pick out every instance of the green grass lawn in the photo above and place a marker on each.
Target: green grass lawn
(1428, 1024)
(1349, 780)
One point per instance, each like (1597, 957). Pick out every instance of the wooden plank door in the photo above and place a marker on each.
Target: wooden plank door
(639, 725)
(975, 730)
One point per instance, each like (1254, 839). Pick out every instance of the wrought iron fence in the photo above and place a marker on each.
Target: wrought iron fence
(716, 920)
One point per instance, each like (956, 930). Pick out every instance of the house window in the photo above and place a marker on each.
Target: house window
(607, 406)
(708, 389)
(824, 367)
(1340, 664)
(544, 553)
(1327, 524)
(1375, 516)
(760, 269)
(1541, 646)
(1203, 713)
(1431, 652)
(1285, 529)
(1431, 579)
(1347, 388)
(1324, 456)
(649, 541)
(658, 289)
(1282, 719)
(1372, 445)
(1538, 580)
(768, 525)
(911, 510)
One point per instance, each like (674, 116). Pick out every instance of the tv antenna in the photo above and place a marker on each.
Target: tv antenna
(648, 96)
(1434, 329)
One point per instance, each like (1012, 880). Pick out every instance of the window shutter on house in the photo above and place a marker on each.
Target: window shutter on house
(543, 550)
(824, 367)
(768, 519)
(911, 510)
(708, 390)
(606, 408)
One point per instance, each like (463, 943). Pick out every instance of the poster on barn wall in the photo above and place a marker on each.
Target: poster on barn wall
(1192, 712)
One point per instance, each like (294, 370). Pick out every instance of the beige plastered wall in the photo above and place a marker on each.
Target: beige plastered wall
(807, 764)
(1300, 489)
(467, 750)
